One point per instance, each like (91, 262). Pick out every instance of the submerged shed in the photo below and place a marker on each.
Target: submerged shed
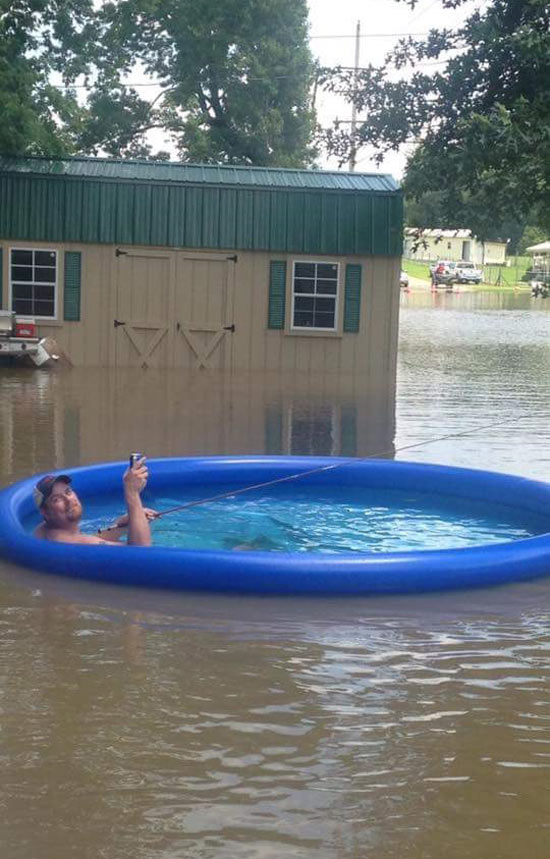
(177, 265)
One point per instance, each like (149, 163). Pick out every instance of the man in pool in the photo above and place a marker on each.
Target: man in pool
(62, 511)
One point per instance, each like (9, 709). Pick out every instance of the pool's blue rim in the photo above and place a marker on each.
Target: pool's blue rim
(260, 572)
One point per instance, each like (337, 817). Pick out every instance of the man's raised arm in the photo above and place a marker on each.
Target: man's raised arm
(135, 480)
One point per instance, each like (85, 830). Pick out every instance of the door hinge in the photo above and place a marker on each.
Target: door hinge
(229, 328)
(120, 253)
(118, 323)
(234, 258)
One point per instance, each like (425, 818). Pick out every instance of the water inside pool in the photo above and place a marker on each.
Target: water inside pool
(340, 520)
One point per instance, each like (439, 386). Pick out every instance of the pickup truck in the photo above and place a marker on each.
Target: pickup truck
(466, 272)
(18, 338)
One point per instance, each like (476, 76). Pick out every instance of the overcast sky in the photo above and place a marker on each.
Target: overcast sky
(332, 30)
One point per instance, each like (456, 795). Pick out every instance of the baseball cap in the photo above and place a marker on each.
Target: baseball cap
(43, 488)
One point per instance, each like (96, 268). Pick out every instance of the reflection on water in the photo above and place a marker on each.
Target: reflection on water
(69, 418)
(139, 724)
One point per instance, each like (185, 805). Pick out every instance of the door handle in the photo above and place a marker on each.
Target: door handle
(117, 323)
(178, 326)
(229, 328)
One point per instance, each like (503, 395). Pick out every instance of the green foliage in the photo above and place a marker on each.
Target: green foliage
(426, 211)
(481, 122)
(234, 80)
(37, 38)
(532, 235)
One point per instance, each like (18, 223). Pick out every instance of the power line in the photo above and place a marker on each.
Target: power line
(421, 14)
(137, 85)
(367, 35)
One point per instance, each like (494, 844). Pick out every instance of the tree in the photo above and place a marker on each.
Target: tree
(234, 80)
(37, 38)
(531, 236)
(481, 123)
(426, 211)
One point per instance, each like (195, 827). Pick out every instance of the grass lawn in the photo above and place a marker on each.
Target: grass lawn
(508, 275)
(416, 269)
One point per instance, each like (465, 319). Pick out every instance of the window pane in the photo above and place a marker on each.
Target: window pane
(43, 308)
(44, 275)
(303, 320)
(304, 304)
(19, 272)
(44, 258)
(326, 287)
(22, 290)
(324, 305)
(44, 293)
(302, 285)
(304, 269)
(21, 257)
(22, 307)
(325, 270)
(324, 320)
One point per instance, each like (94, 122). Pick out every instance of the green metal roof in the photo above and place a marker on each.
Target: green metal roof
(199, 206)
(199, 174)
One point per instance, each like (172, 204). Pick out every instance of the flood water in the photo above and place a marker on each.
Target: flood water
(146, 725)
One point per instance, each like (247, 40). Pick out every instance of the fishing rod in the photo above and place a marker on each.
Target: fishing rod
(319, 469)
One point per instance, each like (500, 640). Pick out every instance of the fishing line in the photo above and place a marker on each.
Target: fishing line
(319, 469)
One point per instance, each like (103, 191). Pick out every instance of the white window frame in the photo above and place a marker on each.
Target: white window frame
(55, 284)
(336, 297)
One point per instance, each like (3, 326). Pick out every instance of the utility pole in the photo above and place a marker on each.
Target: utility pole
(353, 149)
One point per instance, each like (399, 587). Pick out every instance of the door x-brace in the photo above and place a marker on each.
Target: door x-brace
(145, 352)
(202, 353)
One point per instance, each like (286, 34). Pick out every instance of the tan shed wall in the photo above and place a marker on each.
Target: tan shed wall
(106, 277)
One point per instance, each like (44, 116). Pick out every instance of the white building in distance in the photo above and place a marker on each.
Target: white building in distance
(432, 244)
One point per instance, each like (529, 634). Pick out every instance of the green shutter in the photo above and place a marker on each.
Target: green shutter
(277, 294)
(73, 278)
(352, 298)
(1, 279)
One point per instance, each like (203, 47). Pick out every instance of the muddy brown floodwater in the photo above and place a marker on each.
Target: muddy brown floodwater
(146, 725)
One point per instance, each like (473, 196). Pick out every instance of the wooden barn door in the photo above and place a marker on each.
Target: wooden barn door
(143, 327)
(205, 327)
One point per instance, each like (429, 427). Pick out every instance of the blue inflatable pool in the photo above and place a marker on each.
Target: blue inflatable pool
(292, 573)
